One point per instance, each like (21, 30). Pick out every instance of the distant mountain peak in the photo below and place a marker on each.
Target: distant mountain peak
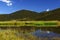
(56, 9)
(24, 10)
(32, 15)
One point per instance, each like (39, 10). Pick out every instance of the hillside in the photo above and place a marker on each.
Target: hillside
(19, 15)
(51, 15)
(24, 15)
(27, 15)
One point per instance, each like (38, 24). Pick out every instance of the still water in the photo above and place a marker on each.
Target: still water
(46, 35)
(40, 33)
(24, 34)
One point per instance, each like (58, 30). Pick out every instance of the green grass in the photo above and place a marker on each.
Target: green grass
(29, 23)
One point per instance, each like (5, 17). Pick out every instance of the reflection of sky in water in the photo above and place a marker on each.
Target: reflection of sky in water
(40, 33)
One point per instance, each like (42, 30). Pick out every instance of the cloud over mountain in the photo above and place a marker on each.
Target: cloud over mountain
(8, 2)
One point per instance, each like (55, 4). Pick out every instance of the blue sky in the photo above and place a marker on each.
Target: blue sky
(9, 6)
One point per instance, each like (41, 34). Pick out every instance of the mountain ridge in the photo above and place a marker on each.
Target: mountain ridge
(27, 15)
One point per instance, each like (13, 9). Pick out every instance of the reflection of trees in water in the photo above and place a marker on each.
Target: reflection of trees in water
(19, 29)
(31, 28)
(53, 29)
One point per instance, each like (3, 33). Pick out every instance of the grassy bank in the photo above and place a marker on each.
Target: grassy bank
(30, 23)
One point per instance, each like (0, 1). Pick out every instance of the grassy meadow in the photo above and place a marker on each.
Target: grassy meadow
(21, 30)
(30, 23)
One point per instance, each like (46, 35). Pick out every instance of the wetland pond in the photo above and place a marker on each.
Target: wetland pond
(29, 33)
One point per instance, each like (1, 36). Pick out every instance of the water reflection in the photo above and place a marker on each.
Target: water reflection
(40, 33)
(26, 33)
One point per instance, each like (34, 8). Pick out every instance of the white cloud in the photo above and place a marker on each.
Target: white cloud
(47, 10)
(8, 2)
